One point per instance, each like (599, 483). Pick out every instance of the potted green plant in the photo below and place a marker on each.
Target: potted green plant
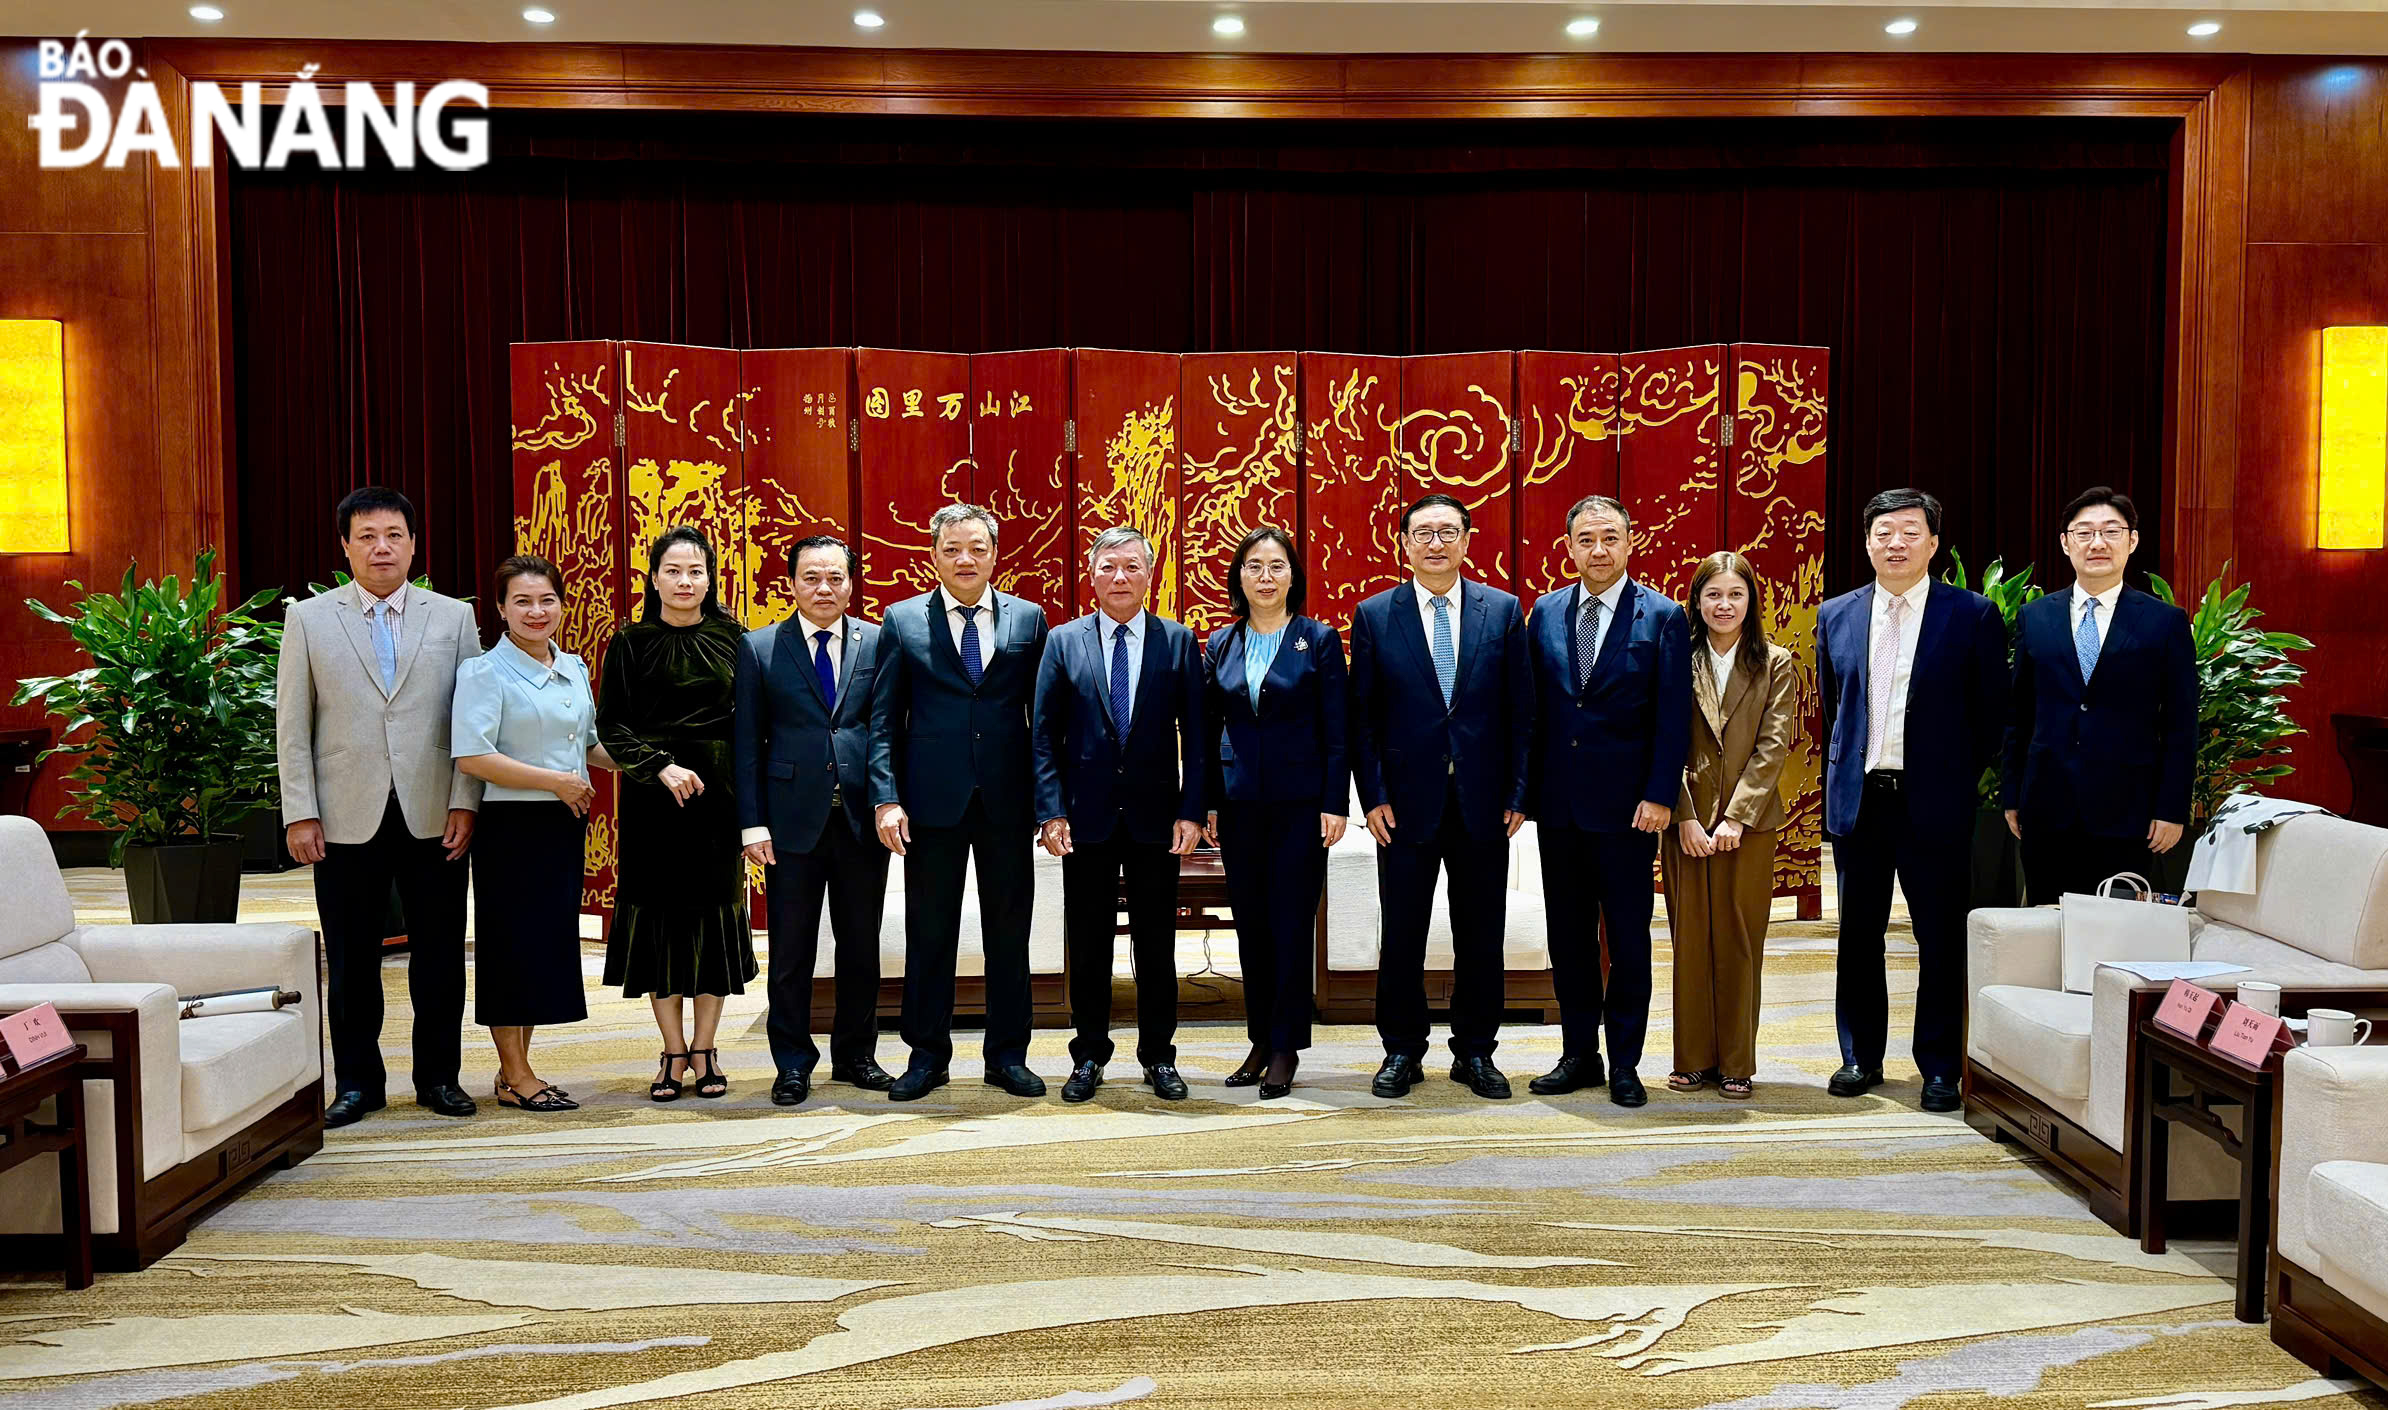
(172, 730)
(1997, 856)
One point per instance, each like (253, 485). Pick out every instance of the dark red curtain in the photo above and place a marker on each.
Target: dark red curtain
(1993, 293)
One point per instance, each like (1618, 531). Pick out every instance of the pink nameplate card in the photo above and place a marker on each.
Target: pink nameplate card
(2247, 1036)
(2186, 1008)
(34, 1034)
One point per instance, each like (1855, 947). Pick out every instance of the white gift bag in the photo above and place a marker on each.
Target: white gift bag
(2100, 929)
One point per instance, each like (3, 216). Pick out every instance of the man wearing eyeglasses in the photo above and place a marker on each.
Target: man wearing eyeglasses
(1442, 704)
(2104, 724)
(1913, 678)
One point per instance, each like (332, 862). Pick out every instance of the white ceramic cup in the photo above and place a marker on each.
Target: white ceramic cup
(2335, 1028)
(2262, 995)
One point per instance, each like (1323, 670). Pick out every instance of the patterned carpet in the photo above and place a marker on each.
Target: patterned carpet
(1328, 1250)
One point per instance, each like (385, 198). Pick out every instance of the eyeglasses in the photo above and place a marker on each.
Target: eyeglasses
(1428, 538)
(1901, 535)
(1254, 568)
(2086, 537)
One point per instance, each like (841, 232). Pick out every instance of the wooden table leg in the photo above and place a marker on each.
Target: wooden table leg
(2255, 1190)
(2155, 1155)
(74, 1187)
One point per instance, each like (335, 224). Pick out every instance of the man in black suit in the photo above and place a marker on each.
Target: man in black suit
(1612, 726)
(2103, 733)
(802, 734)
(1119, 775)
(1912, 673)
(952, 782)
(1442, 704)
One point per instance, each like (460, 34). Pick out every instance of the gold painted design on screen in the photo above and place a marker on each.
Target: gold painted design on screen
(1243, 486)
(1138, 492)
(1357, 559)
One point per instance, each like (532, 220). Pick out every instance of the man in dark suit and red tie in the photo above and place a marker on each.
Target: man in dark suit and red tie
(1120, 767)
(1912, 674)
(1441, 704)
(802, 737)
(1612, 727)
(2103, 735)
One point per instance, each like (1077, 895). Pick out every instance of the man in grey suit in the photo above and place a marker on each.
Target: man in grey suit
(951, 780)
(803, 742)
(371, 797)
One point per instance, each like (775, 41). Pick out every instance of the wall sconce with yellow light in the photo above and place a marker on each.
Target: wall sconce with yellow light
(2353, 505)
(32, 436)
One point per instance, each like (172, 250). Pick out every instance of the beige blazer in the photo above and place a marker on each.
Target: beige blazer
(345, 742)
(1739, 742)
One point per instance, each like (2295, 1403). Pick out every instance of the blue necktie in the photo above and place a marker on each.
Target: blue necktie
(2085, 641)
(973, 664)
(1446, 653)
(823, 670)
(385, 645)
(1119, 679)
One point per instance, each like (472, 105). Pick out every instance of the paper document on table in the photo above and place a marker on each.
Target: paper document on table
(2161, 971)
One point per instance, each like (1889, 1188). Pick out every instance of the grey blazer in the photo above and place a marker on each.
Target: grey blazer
(345, 742)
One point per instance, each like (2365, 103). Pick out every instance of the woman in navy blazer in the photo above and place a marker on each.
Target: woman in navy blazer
(1282, 788)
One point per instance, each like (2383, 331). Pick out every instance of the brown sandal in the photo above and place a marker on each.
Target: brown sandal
(1689, 1081)
(1737, 1088)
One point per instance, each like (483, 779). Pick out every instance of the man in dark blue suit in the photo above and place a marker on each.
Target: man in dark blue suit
(803, 736)
(951, 781)
(1913, 677)
(2103, 734)
(1612, 726)
(1119, 776)
(1442, 702)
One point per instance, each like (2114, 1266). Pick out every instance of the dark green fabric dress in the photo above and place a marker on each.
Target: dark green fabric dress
(680, 915)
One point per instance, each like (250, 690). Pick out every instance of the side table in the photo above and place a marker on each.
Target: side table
(21, 1138)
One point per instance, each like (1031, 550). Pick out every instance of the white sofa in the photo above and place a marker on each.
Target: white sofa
(179, 1113)
(2053, 1069)
(2330, 1271)
(1046, 942)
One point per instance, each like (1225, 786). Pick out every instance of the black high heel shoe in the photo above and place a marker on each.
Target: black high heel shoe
(1271, 1087)
(666, 1088)
(712, 1082)
(1251, 1071)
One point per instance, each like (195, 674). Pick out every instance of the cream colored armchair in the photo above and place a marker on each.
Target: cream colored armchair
(2330, 1260)
(179, 1113)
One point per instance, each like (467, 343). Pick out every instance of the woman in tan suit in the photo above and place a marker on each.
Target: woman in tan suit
(1719, 857)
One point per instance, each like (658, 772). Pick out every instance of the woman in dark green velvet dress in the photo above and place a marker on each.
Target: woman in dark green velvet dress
(680, 916)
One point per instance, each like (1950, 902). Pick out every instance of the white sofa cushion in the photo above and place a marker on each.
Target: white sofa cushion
(2350, 1199)
(2039, 1039)
(2270, 959)
(2321, 886)
(1046, 940)
(54, 963)
(2330, 1105)
(233, 1062)
(37, 910)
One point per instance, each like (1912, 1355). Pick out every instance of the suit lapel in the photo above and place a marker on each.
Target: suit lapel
(1232, 680)
(941, 639)
(1612, 641)
(1704, 691)
(1738, 683)
(2064, 642)
(1096, 683)
(360, 636)
(1156, 665)
(803, 664)
(1409, 631)
(1293, 648)
(1939, 603)
(857, 664)
(1473, 610)
(1852, 635)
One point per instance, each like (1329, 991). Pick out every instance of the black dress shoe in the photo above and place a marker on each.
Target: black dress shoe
(447, 1101)
(866, 1074)
(1254, 1067)
(1271, 1087)
(1854, 1081)
(1479, 1075)
(349, 1108)
(1163, 1078)
(1570, 1074)
(791, 1089)
(1399, 1073)
(1084, 1078)
(1940, 1094)
(1625, 1088)
(917, 1082)
(1016, 1079)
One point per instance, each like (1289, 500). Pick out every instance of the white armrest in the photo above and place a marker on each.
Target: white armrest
(160, 1049)
(2330, 1105)
(202, 959)
(2015, 945)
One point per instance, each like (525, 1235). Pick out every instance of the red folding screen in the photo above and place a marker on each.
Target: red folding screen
(1242, 453)
(1568, 439)
(1455, 439)
(914, 456)
(1672, 406)
(1128, 458)
(1019, 442)
(1353, 483)
(799, 472)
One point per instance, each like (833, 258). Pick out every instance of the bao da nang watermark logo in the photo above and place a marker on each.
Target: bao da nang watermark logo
(79, 126)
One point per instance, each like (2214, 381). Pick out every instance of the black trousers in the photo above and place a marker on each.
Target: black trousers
(1478, 867)
(1276, 873)
(850, 872)
(934, 868)
(1092, 878)
(1932, 861)
(2056, 861)
(352, 895)
(1609, 876)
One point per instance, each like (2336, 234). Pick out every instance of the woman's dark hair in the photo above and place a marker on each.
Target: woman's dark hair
(526, 565)
(1752, 647)
(651, 602)
(1295, 591)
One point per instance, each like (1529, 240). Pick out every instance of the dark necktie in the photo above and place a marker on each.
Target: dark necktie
(974, 665)
(1119, 679)
(823, 670)
(1587, 642)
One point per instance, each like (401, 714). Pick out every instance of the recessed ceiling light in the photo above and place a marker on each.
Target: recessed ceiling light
(1228, 25)
(867, 19)
(1899, 27)
(206, 14)
(1584, 28)
(538, 16)
(2204, 28)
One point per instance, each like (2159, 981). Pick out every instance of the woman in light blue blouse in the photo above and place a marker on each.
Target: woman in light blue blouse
(524, 721)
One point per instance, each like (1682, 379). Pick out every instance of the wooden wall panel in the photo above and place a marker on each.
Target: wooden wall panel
(2316, 175)
(1670, 476)
(1567, 412)
(569, 509)
(1352, 484)
(1128, 465)
(798, 468)
(914, 459)
(1242, 468)
(1019, 438)
(1454, 440)
(1774, 516)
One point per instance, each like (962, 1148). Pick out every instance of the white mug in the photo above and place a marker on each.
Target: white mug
(2262, 995)
(2335, 1028)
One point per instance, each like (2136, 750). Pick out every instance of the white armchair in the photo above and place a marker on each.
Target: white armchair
(2330, 1266)
(178, 1113)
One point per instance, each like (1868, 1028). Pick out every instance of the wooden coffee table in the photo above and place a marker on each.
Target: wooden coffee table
(22, 1093)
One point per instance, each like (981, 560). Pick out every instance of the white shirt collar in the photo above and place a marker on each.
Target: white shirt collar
(1112, 627)
(986, 600)
(1915, 595)
(1608, 599)
(1426, 599)
(836, 627)
(365, 600)
(2106, 599)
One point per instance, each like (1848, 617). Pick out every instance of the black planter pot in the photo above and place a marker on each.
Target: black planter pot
(1997, 861)
(198, 881)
